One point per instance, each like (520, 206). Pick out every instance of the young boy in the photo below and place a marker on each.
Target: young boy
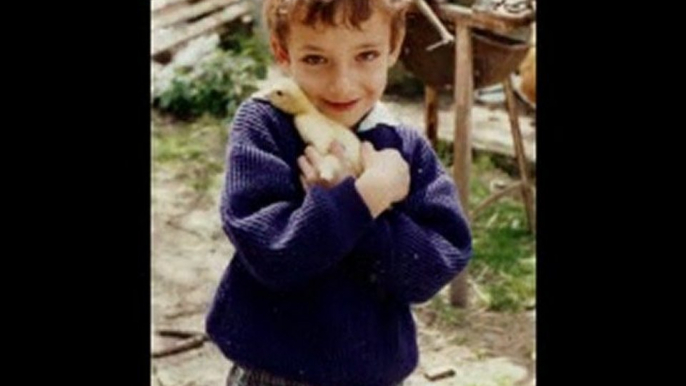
(320, 287)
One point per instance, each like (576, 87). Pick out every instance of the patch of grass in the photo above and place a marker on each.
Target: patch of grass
(218, 82)
(504, 249)
(446, 314)
(196, 149)
(503, 264)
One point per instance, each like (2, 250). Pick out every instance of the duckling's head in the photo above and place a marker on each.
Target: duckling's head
(287, 96)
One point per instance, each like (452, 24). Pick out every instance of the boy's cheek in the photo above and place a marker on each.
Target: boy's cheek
(307, 83)
(379, 79)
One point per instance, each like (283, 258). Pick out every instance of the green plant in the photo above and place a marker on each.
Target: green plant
(248, 42)
(216, 86)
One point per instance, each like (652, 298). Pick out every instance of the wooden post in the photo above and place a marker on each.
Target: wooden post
(527, 193)
(462, 142)
(431, 115)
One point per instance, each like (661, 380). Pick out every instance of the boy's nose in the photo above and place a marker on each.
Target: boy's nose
(342, 84)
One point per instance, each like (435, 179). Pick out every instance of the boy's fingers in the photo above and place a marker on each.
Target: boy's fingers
(337, 149)
(365, 152)
(368, 147)
(303, 181)
(309, 172)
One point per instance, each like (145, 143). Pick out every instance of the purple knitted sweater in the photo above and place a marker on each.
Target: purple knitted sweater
(317, 290)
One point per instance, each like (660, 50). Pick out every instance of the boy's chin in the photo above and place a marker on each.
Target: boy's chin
(347, 120)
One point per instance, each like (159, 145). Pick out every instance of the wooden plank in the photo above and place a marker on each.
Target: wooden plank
(491, 131)
(201, 27)
(187, 12)
(492, 139)
(158, 5)
(462, 145)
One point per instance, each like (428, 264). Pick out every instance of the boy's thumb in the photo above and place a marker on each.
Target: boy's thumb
(365, 151)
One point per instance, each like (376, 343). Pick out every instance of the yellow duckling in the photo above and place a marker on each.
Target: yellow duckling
(315, 128)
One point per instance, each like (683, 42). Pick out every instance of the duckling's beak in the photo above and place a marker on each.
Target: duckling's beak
(261, 94)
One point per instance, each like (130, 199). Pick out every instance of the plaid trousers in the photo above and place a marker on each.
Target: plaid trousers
(239, 376)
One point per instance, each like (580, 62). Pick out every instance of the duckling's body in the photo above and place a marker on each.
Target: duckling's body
(315, 128)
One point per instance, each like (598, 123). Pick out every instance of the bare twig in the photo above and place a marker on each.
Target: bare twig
(189, 344)
(191, 207)
(496, 196)
(172, 223)
(439, 373)
(478, 292)
(174, 333)
(481, 274)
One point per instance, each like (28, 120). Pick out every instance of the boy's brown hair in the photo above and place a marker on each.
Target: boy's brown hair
(278, 15)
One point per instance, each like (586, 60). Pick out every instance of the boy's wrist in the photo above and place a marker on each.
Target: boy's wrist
(375, 198)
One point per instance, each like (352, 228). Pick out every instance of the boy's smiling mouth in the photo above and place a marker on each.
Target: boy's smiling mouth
(341, 106)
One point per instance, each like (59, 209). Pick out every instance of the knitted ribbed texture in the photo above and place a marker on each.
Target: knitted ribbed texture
(318, 291)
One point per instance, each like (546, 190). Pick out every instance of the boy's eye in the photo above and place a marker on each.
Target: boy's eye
(368, 56)
(314, 60)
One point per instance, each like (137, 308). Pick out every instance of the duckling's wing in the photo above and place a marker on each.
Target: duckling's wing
(315, 129)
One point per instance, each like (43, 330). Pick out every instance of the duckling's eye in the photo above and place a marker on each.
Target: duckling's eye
(279, 93)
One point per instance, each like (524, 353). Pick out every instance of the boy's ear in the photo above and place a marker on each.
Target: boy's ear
(280, 53)
(395, 54)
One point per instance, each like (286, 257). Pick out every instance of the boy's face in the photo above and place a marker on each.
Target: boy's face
(342, 70)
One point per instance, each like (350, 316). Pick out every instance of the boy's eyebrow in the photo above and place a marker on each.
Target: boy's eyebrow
(310, 47)
(368, 45)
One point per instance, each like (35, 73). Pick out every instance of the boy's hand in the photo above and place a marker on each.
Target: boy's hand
(385, 179)
(312, 162)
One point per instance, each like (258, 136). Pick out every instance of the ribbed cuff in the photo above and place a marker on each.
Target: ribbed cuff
(354, 213)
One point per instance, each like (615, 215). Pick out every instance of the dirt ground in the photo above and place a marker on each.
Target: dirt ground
(190, 252)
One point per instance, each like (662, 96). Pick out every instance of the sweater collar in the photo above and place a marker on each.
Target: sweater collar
(379, 114)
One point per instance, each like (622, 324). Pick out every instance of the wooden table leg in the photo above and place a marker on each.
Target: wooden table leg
(462, 143)
(527, 192)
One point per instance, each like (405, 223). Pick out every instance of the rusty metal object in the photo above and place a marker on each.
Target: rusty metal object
(495, 55)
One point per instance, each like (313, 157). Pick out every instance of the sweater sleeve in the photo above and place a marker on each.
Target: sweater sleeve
(419, 245)
(283, 238)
